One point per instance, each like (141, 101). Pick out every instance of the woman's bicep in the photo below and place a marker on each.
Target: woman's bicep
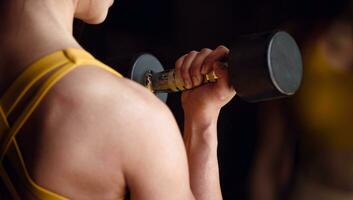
(156, 163)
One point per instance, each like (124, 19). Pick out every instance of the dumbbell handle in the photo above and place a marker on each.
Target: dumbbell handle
(167, 81)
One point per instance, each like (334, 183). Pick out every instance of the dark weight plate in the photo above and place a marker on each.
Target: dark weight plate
(285, 63)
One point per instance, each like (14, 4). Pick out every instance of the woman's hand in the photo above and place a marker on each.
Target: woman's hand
(204, 103)
(201, 108)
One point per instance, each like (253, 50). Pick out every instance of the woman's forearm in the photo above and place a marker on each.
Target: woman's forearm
(201, 146)
(201, 107)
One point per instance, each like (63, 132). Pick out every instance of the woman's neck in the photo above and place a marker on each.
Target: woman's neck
(32, 29)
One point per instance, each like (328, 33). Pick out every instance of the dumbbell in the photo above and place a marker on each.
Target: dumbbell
(261, 66)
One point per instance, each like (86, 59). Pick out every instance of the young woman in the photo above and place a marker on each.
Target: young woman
(73, 128)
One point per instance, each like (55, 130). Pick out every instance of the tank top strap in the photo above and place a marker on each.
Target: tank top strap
(4, 176)
(28, 78)
(55, 66)
(12, 97)
(75, 57)
(3, 122)
(81, 57)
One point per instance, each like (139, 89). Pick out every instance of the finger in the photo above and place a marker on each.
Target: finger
(184, 70)
(195, 69)
(223, 83)
(178, 66)
(219, 54)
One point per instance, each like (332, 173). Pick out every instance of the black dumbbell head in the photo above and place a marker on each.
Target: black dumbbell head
(265, 66)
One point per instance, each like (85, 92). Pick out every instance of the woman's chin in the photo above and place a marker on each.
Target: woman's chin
(97, 19)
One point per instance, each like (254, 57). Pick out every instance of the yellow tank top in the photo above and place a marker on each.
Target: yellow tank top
(15, 182)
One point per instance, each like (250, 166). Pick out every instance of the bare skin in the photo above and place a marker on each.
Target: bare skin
(116, 135)
(201, 109)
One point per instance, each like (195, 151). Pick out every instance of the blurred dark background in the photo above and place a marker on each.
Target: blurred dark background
(169, 29)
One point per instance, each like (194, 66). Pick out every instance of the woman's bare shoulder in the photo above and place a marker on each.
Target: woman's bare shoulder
(115, 121)
(91, 90)
(120, 110)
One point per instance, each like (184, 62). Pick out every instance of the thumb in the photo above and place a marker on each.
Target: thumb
(221, 72)
(223, 84)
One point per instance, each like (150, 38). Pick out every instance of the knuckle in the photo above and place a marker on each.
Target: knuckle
(189, 56)
(205, 50)
(192, 54)
(222, 47)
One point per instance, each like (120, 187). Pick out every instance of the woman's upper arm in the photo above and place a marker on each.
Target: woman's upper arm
(151, 148)
(156, 166)
(115, 134)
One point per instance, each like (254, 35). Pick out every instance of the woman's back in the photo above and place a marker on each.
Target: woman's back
(30, 138)
(71, 143)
